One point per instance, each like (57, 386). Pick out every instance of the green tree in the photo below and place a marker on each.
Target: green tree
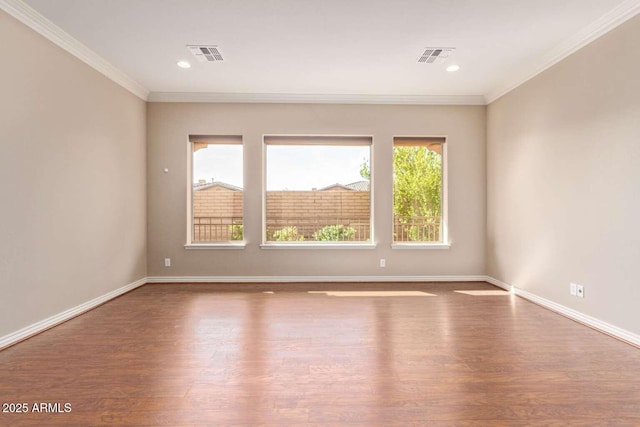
(365, 171)
(417, 190)
(417, 181)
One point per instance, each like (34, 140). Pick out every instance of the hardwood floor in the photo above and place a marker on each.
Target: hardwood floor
(210, 355)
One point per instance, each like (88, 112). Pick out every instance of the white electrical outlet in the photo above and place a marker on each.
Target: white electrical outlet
(167, 262)
(580, 291)
(573, 289)
(383, 263)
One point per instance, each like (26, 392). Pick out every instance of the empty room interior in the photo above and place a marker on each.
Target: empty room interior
(335, 213)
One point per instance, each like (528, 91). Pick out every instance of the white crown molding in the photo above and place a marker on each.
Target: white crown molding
(311, 279)
(34, 20)
(592, 322)
(43, 325)
(311, 98)
(617, 16)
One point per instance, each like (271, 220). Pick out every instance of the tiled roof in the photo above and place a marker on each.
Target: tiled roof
(332, 186)
(354, 186)
(359, 186)
(200, 187)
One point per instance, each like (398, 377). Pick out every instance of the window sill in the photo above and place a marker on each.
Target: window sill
(318, 246)
(222, 245)
(421, 246)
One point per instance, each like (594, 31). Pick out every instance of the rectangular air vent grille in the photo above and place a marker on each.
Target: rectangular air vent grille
(206, 53)
(435, 55)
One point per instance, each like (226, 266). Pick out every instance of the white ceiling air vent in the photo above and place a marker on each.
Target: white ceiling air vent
(206, 53)
(435, 55)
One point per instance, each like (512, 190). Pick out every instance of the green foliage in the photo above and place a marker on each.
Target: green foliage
(417, 190)
(417, 181)
(334, 233)
(365, 170)
(288, 234)
(237, 232)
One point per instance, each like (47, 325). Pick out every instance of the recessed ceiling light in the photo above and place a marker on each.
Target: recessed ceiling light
(452, 68)
(183, 64)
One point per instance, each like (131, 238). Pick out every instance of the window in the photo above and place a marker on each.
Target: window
(418, 196)
(317, 189)
(216, 200)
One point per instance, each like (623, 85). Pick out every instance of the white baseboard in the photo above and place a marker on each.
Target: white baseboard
(45, 324)
(311, 279)
(585, 319)
(498, 283)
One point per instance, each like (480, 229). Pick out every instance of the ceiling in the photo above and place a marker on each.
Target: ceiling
(333, 48)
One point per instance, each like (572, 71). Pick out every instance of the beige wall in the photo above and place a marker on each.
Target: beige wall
(563, 162)
(72, 181)
(169, 124)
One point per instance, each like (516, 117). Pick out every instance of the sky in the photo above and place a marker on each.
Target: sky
(288, 167)
(220, 163)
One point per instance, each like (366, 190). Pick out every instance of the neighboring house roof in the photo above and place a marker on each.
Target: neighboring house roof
(359, 186)
(335, 186)
(200, 187)
(354, 186)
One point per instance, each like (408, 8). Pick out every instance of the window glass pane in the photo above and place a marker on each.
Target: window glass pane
(217, 192)
(417, 192)
(318, 193)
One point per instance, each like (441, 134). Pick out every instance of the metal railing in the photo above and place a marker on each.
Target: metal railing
(405, 229)
(416, 229)
(217, 229)
(318, 229)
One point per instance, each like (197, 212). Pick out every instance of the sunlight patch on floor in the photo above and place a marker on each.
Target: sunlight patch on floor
(485, 293)
(374, 293)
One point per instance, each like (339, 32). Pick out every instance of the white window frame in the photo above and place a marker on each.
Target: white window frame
(317, 140)
(444, 244)
(217, 139)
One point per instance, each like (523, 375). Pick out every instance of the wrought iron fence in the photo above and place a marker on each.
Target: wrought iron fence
(217, 229)
(405, 229)
(416, 229)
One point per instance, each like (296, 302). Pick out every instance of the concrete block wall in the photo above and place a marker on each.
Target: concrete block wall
(307, 210)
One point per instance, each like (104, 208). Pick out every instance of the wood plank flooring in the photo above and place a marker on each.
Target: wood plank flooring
(239, 355)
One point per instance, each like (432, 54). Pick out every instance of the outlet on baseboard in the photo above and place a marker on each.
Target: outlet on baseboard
(383, 263)
(573, 289)
(167, 262)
